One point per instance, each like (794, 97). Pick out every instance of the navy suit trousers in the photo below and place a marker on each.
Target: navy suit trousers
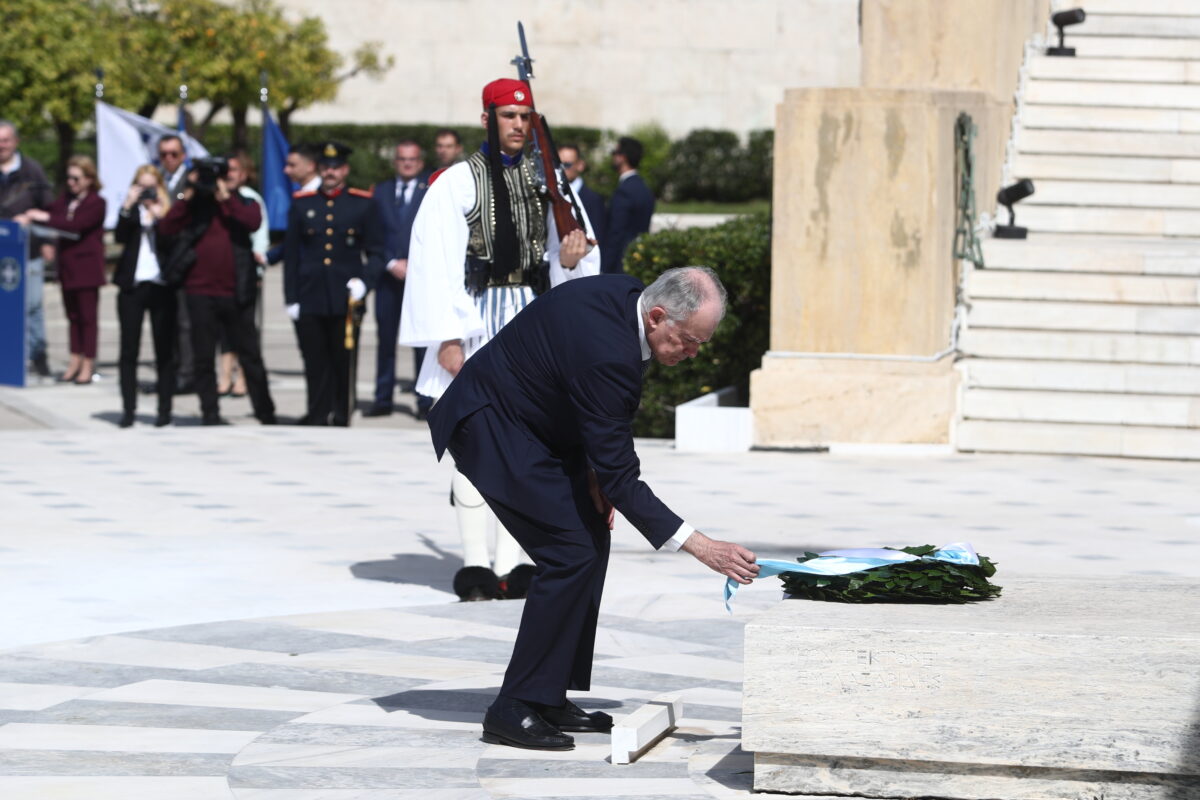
(554, 645)
(389, 297)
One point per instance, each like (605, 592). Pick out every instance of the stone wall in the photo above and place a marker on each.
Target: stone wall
(685, 64)
(863, 275)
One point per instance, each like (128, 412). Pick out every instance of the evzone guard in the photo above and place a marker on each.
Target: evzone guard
(493, 232)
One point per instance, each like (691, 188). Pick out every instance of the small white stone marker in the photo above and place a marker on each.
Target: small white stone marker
(641, 730)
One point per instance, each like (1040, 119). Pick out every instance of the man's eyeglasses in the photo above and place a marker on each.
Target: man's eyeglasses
(408, 158)
(568, 164)
(170, 154)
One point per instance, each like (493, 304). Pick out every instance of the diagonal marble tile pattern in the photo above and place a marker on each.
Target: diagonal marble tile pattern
(263, 614)
(255, 724)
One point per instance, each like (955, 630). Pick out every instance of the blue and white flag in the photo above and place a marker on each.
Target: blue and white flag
(125, 141)
(276, 188)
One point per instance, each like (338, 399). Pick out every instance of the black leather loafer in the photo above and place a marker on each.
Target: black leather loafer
(514, 723)
(570, 717)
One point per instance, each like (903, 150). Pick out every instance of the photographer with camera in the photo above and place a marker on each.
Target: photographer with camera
(212, 257)
(143, 289)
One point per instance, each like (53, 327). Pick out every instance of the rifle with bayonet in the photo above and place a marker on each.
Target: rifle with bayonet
(568, 216)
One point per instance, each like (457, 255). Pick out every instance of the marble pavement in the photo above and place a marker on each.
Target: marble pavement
(263, 613)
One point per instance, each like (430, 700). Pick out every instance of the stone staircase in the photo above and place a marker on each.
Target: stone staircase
(1085, 338)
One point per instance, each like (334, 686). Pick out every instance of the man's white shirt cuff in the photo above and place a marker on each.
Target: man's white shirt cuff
(681, 536)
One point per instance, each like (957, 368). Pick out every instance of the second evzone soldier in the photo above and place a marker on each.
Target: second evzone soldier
(483, 247)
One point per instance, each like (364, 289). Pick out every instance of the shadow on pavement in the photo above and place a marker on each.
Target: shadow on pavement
(1188, 787)
(434, 569)
(449, 705)
(735, 771)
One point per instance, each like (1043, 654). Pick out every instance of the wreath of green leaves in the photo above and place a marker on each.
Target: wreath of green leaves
(924, 581)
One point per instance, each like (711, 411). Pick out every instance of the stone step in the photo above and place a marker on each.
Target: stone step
(1079, 376)
(1114, 194)
(1178, 8)
(1132, 47)
(1106, 93)
(1131, 441)
(1133, 348)
(1163, 26)
(1116, 70)
(1059, 253)
(1092, 408)
(1107, 168)
(1101, 118)
(1067, 316)
(1083, 287)
(1118, 221)
(1109, 143)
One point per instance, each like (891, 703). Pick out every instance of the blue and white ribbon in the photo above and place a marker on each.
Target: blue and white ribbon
(844, 562)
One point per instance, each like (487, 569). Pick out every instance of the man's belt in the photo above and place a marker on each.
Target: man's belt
(479, 277)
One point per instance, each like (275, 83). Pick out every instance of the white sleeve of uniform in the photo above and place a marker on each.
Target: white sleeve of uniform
(437, 307)
(588, 265)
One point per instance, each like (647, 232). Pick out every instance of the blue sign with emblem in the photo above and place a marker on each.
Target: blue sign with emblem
(14, 246)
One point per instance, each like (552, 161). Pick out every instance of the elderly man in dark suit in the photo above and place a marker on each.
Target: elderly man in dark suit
(541, 421)
(630, 207)
(398, 199)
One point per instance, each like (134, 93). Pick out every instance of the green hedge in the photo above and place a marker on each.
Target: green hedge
(705, 165)
(714, 166)
(740, 252)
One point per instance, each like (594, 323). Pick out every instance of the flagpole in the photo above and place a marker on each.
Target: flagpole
(263, 95)
(181, 122)
(262, 128)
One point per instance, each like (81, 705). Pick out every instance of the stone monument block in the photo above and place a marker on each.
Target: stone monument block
(1060, 689)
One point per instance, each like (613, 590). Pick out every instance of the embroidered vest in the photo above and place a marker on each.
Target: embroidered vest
(529, 219)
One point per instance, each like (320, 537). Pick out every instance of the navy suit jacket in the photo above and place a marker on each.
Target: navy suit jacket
(629, 212)
(398, 222)
(552, 394)
(593, 204)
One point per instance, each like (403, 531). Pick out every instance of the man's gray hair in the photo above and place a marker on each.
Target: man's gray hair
(682, 290)
(6, 124)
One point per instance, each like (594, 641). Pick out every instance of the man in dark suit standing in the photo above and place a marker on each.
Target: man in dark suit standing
(541, 422)
(172, 161)
(398, 199)
(574, 166)
(629, 209)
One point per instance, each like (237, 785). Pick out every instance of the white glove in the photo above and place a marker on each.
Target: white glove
(358, 289)
(293, 311)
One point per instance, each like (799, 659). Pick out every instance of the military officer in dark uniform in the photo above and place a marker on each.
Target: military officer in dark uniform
(333, 250)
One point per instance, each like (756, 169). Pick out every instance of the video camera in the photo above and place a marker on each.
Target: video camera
(208, 171)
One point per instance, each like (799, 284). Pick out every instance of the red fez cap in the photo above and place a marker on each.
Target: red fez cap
(507, 92)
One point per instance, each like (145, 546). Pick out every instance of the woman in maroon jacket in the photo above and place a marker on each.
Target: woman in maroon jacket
(79, 210)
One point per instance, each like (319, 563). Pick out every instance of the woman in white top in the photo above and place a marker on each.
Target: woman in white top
(143, 290)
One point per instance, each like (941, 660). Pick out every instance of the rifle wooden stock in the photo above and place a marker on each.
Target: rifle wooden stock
(567, 216)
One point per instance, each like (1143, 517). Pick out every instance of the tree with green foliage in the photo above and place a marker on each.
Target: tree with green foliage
(50, 51)
(47, 65)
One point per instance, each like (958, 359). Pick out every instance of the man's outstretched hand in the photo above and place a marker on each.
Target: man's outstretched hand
(729, 559)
